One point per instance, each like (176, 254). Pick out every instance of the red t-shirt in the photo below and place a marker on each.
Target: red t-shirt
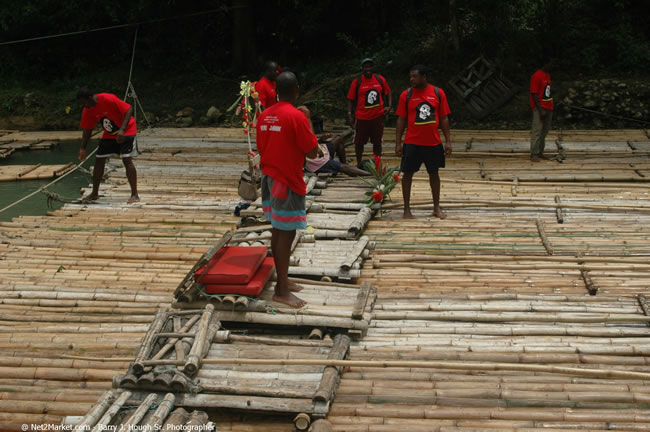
(424, 113)
(370, 102)
(266, 90)
(284, 136)
(540, 84)
(110, 111)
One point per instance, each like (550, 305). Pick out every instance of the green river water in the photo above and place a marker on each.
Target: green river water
(62, 153)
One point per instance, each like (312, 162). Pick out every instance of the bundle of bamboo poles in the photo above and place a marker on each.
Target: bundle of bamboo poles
(128, 411)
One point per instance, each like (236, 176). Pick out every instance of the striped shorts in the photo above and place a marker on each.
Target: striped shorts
(284, 208)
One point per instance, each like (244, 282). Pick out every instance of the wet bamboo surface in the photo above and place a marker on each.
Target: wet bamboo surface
(88, 279)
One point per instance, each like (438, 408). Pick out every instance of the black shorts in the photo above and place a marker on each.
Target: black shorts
(413, 156)
(111, 148)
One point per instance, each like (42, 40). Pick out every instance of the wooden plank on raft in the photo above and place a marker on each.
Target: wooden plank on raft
(331, 375)
(589, 284)
(354, 254)
(362, 300)
(246, 403)
(543, 237)
(643, 302)
(207, 328)
(558, 211)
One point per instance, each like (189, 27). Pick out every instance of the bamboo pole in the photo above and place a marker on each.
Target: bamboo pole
(515, 204)
(111, 412)
(176, 338)
(501, 258)
(351, 256)
(96, 412)
(223, 336)
(139, 413)
(329, 382)
(147, 344)
(558, 211)
(164, 408)
(176, 420)
(593, 373)
(544, 238)
(322, 425)
(206, 327)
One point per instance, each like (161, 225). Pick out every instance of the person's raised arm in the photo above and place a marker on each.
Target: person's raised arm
(399, 131)
(85, 137)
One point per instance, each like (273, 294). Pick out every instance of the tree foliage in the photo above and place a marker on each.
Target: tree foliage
(585, 35)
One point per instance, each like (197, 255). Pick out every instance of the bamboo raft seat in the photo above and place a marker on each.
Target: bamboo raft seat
(33, 172)
(191, 355)
(124, 411)
(335, 305)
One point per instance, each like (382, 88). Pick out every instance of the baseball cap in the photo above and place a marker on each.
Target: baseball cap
(367, 60)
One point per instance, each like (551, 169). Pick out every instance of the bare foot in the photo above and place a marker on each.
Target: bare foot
(407, 215)
(91, 197)
(294, 287)
(544, 157)
(290, 300)
(133, 199)
(437, 212)
(534, 159)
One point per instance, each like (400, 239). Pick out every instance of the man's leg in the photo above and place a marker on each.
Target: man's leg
(377, 134)
(407, 179)
(360, 139)
(98, 173)
(434, 182)
(535, 136)
(281, 242)
(132, 176)
(546, 126)
(353, 171)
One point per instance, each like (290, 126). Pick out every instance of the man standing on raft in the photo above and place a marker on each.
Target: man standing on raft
(284, 138)
(422, 108)
(118, 138)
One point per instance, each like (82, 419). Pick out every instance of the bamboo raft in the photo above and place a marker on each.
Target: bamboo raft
(33, 172)
(177, 352)
(475, 325)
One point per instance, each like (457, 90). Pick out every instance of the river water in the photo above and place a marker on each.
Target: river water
(61, 153)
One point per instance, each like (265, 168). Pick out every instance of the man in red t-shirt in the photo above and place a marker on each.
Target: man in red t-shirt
(371, 94)
(265, 87)
(284, 138)
(116, 118)
(422, 109)
(541, 102)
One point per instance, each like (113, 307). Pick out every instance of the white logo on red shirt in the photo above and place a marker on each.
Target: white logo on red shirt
(109, 125)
